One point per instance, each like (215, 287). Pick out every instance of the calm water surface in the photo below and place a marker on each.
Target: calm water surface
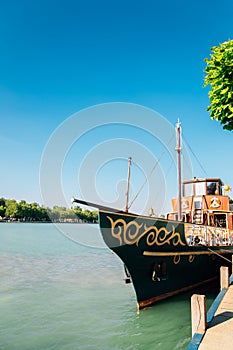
(57, 294)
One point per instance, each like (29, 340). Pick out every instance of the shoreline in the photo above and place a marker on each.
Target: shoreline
(45, 222)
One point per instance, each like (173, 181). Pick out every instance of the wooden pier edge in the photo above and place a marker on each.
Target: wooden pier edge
(200, 319)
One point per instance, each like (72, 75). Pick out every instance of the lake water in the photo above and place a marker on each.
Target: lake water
(58, 294)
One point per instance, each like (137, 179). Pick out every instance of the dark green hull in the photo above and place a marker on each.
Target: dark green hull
(157, 256)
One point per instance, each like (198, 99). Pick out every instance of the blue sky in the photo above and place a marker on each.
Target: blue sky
(59, 57)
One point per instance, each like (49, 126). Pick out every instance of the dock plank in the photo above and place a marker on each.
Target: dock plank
(219, 335)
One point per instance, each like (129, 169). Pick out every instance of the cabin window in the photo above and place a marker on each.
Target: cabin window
(220, 220)
(200, 189)
(219, 190)
(211, 188)
(197, 203)
(214, 188)
(188, 190)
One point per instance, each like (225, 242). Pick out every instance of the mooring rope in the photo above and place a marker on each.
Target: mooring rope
(214, 252)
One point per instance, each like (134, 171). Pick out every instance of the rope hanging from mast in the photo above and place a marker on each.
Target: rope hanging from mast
(128, 185)
(150, 174)
(198, 161)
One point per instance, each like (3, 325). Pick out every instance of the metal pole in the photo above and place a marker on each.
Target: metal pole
(178, 150)
(128, 184)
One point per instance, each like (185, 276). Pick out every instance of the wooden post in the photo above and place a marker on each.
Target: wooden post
(198, 311)
(224, 277)
(232, 264)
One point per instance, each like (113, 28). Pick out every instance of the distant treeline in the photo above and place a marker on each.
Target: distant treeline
(11, 210)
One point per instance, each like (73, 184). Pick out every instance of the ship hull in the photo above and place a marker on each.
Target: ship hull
(157, 256)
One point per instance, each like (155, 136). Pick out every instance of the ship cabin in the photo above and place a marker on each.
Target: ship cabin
(204, 202)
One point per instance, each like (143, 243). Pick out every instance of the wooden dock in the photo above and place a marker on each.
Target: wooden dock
(213, 330)
(219, 334)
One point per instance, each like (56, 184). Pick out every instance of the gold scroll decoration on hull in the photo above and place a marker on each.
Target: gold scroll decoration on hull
(132, 232)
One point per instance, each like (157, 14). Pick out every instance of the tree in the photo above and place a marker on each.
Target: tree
(2, 207)
(23, 211)
(11, 208)
(79, 213)
(2, 202)
(219, 75)
(2, 211)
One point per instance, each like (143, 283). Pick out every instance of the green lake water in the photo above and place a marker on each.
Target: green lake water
(58, 294)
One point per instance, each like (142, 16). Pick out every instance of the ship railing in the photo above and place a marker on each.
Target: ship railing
(208, 235)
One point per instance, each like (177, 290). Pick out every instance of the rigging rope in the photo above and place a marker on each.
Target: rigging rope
(151, 172)
(198, 161)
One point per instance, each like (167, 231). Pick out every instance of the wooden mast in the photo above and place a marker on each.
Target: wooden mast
(178, 150)
(128, 184)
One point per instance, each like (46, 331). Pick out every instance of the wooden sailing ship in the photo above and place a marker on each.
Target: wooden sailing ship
(163, 257)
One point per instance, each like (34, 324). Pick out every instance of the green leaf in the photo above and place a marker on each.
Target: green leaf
(219, 75)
